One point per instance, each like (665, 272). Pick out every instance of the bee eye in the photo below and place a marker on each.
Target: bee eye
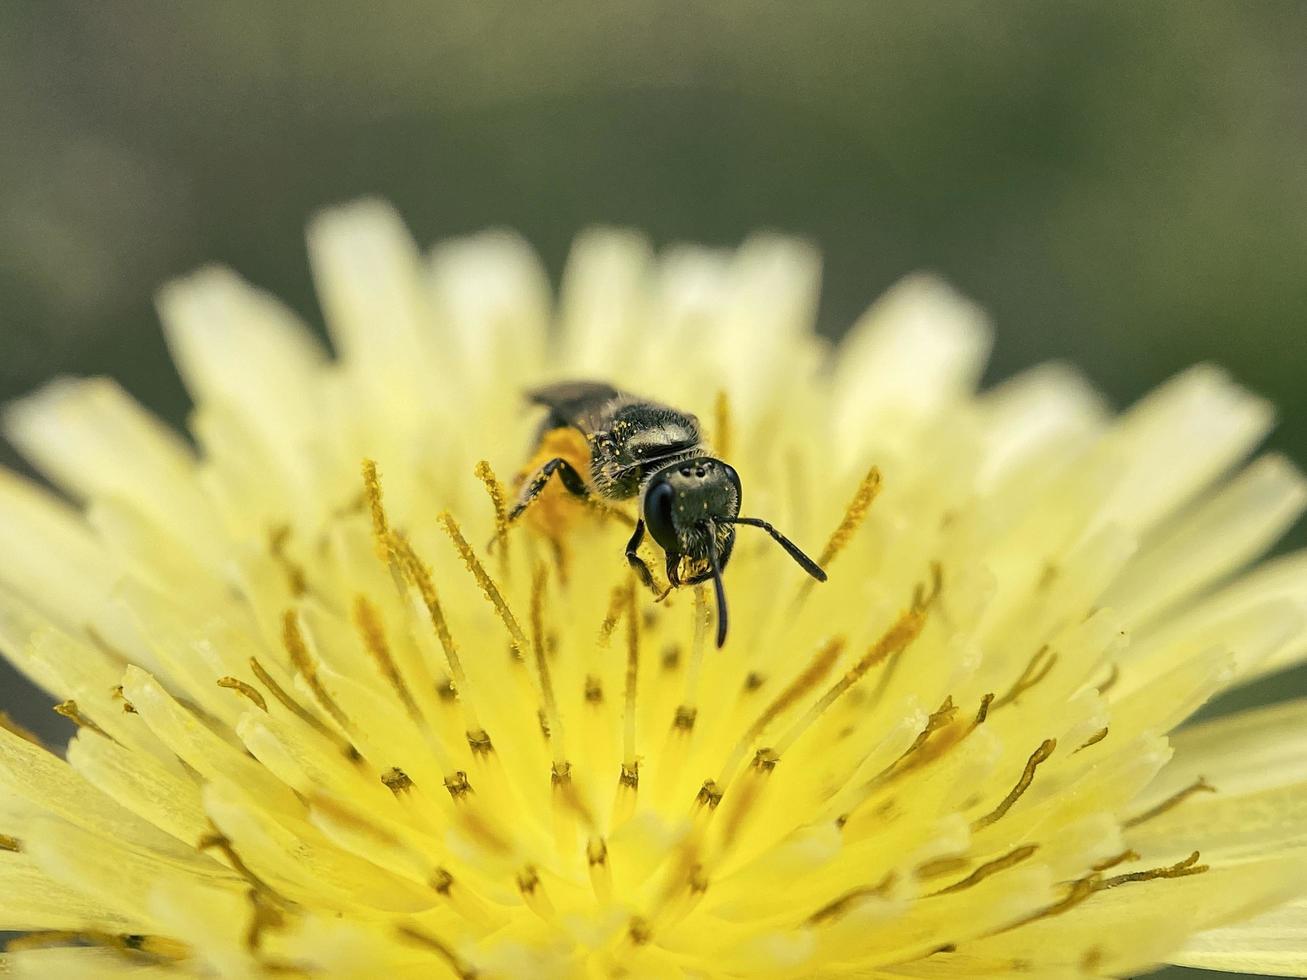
(658, 515)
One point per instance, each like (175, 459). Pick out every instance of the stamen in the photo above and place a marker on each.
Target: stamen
(301, 712)
(118, 695)
(461, 969)
(380, 525)
(293, 639)
(498, 498)
(845, 902)
(722, 441)
(1093, 739)
(1113, 676)
(904, 630)
(913, 757)
(368, 622)
(638, 930)
(157, 946)
(1008, 860)
(698, 645)
(601, 875)
(616, 606)
(807, 679)
(419, 576)
(8, 843)
(252, 693)
(983, 711)
(923, 598)
(1037, 757)
(1200, 785)
(632, 679)
(533, 892)
(1077, 892)
(939, 867)
(223, 844)
(1036, 670)
(458, 784)
(74, 714)
(1181, 869)
(854, 515)
(709, 795)
(396, 780)
(551, 715)
(488, 587)
(442, 882)
(1112, 862)
(296, 580)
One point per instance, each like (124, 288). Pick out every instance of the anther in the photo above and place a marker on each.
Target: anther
(461, 969)
(380, 526)
(1093, 739)
(753, 680)
(709, 794)
(854, 515)
(128, 707)
(8, 843)
(1181, 869)
(248, 690)
(368, 622)
(990, 868)
(684, 718)
(983, 712)
(764, 760)
(560, 774)
(1112, 862)
(1035, 671)
(296, 580)
(629, 775)
(528, 880)
(396, 780)
(1200, 785)
(441, 882)
(74, 714)
(458, 785)
(296, 647)
(639, 931)
(479, 742)
(1037, 757)
(594, 691)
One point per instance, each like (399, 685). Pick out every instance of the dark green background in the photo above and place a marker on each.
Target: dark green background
(1123, 185)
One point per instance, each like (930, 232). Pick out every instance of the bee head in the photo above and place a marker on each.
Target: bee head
(691, 509)
(687, 503)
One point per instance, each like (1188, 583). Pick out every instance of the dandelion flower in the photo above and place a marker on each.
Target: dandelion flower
(324, 729)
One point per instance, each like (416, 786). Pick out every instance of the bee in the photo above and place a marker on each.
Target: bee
(689, 501)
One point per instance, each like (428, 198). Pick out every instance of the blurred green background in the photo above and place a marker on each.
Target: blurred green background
(1121, 184)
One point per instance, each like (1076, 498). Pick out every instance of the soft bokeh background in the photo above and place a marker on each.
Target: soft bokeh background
(1123, 185)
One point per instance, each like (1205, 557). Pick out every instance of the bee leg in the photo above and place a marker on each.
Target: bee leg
(635, 561)
(570, 478)
(674, 570)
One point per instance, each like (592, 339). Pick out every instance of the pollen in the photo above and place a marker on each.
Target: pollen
(338, 716)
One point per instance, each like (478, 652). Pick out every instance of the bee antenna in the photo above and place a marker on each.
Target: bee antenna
(792, 549)
(718, 588)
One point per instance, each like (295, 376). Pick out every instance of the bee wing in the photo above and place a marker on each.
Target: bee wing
(574, 404)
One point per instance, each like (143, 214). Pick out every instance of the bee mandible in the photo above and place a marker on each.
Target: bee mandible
(689, 501)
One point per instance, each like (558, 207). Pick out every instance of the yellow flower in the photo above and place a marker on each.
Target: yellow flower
(325, 730)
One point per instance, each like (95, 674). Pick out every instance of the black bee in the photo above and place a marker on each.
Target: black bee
(689, 501)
